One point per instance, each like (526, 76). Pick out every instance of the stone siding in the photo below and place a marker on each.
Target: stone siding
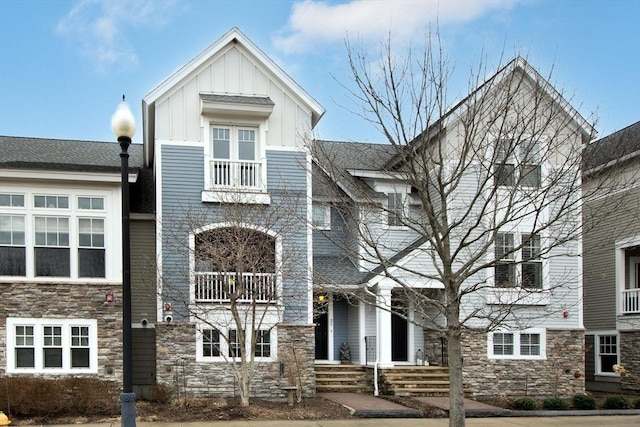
(63, 301)
(630, 360)
(177, 366)
(560, 374)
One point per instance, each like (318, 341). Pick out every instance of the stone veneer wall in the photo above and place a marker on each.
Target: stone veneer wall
(561, 374)
(177, 366)
(63, 301)
(630, 360)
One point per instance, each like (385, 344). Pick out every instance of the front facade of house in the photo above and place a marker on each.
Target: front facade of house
(245, 239)
(612, 262)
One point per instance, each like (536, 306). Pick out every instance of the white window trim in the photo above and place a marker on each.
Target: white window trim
(517, 161)
(326, 224)
(73, 213)
(516, 345)
(224, 345)
(596, 352)
(621, 270)
(38, 325)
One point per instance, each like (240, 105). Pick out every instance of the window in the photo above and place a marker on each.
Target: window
(210, 343)
(528, 344)
(263, 344)
(234, 344)
(395, 209)
(517, 163)
(12, 245)
(322, 216)
(607, 353)
(517, 268)
(51, 235)
(55, 346)
(234, 154)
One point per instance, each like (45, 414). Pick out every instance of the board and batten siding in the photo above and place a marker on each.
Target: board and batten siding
(143, 270)
(182, 183)
(231, 71)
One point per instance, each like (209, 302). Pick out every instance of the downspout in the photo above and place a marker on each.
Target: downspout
(375, 366)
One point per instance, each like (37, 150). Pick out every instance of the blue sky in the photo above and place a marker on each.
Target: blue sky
(65, 64)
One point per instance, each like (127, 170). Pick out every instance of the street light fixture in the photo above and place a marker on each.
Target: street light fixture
(124, 126)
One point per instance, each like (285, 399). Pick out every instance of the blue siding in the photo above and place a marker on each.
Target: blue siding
(182, 184)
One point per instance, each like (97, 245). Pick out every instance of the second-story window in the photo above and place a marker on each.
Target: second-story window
(517, 162)
(521, 268)
(322, 216)
(234, 157)
(395, 209)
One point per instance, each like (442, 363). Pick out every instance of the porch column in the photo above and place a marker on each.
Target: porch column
(383, 305)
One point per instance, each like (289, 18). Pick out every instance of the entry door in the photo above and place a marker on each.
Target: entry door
(399, 339)
(322, 336)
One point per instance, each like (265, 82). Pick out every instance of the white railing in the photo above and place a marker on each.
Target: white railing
(631, 301)
(231, 174)
(247, 287)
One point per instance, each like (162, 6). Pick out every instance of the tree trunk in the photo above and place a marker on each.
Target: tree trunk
(454, 352)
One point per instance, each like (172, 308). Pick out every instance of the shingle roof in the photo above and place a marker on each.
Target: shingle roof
(336, 271)
(237, 99)
(57, 154)
(618, 146)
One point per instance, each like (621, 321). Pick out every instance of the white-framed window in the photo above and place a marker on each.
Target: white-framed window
(517, 163)
(395, 209)
(521, 268)
(54, 235)
(234, 153)
(321, 216)
(527, 344)
(216, 345)
(53, 346)
(606, 353)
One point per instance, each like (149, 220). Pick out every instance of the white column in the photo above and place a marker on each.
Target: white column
(383, 305)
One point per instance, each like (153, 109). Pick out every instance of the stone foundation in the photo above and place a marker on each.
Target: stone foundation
(630, 360)
(63, 301)
(177, 366)
(561, 374)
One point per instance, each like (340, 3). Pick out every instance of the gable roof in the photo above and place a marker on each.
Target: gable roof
(613, 149)
(232, 36)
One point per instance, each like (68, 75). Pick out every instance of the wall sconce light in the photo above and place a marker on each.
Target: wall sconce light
(167, 306)
(108, 298)
(565, 314)
(321, 298)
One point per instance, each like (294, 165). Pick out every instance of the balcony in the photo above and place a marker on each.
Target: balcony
(215, 287)
(631, 301)
(236, 175)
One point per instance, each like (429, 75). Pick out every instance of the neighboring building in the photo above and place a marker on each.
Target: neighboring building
(612, 261)
(368, 251)
(60, 257)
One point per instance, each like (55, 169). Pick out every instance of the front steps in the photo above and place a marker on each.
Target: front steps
(343, 379)
(416, 381)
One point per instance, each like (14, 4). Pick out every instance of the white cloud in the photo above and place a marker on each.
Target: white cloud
(100, 29)
(314, 21)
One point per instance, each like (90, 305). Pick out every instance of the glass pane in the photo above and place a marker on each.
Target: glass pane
(97, 203)
(17, 200)
(84, 240)
(98, 240)
(607, 362)
(63, 202)
(52, 357)
(79, 357)
(532, 275)
(52, 262)
(531, 176)
(25, 358)
(39, 201)
(221, 146)
(84, 225)
(5, 200)
(505, 275)
(246, 144)
(84, 203)
(91, 263)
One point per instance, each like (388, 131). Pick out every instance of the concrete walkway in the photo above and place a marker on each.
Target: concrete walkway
(595, 421)
(368, 406)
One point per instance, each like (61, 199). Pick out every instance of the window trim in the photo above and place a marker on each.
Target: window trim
(516, 344)
(517, 260)
(597, 354)
(225, 334)
(38, 329)
(517, 161)
(326, 213)
(397, 213)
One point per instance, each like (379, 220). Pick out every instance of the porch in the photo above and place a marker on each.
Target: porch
(631, 301)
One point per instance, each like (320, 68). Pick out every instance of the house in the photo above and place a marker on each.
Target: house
(511, 191)
(612, 261)
(249, 238)
(60, 280)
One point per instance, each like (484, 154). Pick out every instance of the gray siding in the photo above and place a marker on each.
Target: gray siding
(182, 183)
(599, 255)
(353, 328)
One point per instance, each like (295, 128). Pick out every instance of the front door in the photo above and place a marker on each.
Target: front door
(399, 335)
(322, 335)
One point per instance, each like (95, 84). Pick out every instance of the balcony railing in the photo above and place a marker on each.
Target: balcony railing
(631, 301)
(231, 174)
(246, 287)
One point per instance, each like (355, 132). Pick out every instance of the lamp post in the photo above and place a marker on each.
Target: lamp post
(124, 126)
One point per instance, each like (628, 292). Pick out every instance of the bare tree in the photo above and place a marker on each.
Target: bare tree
(464, 177)
(237, 267)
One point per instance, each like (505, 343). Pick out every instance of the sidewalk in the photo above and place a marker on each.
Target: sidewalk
(594, 421)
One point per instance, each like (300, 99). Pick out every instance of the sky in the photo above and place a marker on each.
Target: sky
(64, 64)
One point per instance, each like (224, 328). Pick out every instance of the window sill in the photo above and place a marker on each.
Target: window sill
(241, 197)
(517, 296)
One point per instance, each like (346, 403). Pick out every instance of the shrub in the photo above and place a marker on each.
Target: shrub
(555, 404)
(584, 401)
(161, 393)
(525, 404)
(616, 402)
(636, 403)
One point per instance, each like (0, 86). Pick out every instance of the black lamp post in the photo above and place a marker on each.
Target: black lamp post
(124, 127)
